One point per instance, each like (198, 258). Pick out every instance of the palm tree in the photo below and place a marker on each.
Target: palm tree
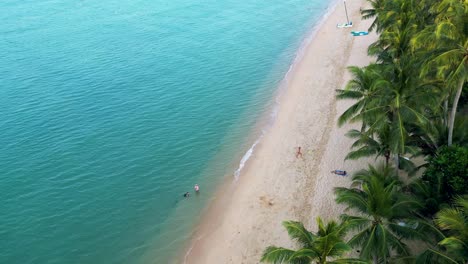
(366, 88)
(384, 13)
(384, 213)
(435, 134)
(363, 87)
(453, 248)
(369, 145)
(377, 144)
(389, 93)
(454, 221)
(446, 43)
(376, 7)
(394, 40)
(387, 13)
(326, 243)
(387, 104)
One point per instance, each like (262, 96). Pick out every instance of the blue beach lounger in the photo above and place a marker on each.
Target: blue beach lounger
(359, 33)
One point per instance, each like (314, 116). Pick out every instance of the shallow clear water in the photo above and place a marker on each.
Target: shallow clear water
(111, 110)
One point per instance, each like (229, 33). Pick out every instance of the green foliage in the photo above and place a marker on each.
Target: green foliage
(366, 145)
(434, 135)
(444, 45)
(428, 195)
(387, 107)
(454, 221)
(422, 61)
(407, 104)
(445, 177)
(447, 173)
(328, 242)
(384, 213)
(453, 247)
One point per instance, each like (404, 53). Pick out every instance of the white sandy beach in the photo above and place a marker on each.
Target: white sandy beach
(275, 185)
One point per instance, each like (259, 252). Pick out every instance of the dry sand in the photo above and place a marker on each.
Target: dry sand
(275, 185)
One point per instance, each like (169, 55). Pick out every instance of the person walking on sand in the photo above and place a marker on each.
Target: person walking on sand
(298, 153)
(196, 188)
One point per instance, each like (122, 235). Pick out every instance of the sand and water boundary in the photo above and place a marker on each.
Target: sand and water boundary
(245, 215)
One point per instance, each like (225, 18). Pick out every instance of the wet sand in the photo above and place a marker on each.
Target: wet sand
(245, 216)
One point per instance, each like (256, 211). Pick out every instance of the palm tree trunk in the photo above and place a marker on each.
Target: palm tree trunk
(454, 111)
(446, 117)
(375, 260)
(397, 162)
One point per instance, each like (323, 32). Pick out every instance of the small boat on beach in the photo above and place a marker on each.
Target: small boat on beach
(345, 25)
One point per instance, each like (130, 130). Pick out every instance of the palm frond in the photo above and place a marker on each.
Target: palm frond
(349, 261)
(276, 255)
(299, 233)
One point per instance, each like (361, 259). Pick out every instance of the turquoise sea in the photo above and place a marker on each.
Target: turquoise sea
(111, 110)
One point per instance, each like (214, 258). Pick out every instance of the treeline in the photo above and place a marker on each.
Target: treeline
(411, 105)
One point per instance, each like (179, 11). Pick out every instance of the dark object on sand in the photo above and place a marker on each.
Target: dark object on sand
(339, 172)
(299, 152)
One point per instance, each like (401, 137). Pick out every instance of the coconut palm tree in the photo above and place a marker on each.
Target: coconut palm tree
(454, 221)
(369, 145)
(327, 242)
(364, 88)
(446, 46)
(435, 134)
(394, 40)
(383, 213)
(423, 11)
(389, 93)
(387, 13)
(377, 6)
(377, 145)
(387, 104)
(453, 248)
(383, 12)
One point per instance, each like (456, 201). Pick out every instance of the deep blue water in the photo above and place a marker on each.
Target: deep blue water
(110, 110)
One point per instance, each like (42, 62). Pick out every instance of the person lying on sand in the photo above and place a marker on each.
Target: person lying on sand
(339, 172)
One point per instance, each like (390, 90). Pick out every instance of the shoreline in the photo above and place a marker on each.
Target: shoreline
(245, 215)
(269, 115)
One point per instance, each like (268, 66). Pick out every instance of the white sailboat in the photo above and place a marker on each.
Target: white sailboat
(347, 24)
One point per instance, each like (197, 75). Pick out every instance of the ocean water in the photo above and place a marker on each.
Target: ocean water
(111, 110)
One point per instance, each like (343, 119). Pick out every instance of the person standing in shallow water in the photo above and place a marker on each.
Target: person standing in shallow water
(187, 195)
(196, 188)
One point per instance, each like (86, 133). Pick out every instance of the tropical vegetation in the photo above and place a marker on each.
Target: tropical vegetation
(381, 213)
(328, 242)
(411, 105)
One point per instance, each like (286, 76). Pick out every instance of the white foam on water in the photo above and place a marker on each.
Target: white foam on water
(245, 158)
(191, 248)
(284, 83)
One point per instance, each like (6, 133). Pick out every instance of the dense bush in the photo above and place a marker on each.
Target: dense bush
(447, 172)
